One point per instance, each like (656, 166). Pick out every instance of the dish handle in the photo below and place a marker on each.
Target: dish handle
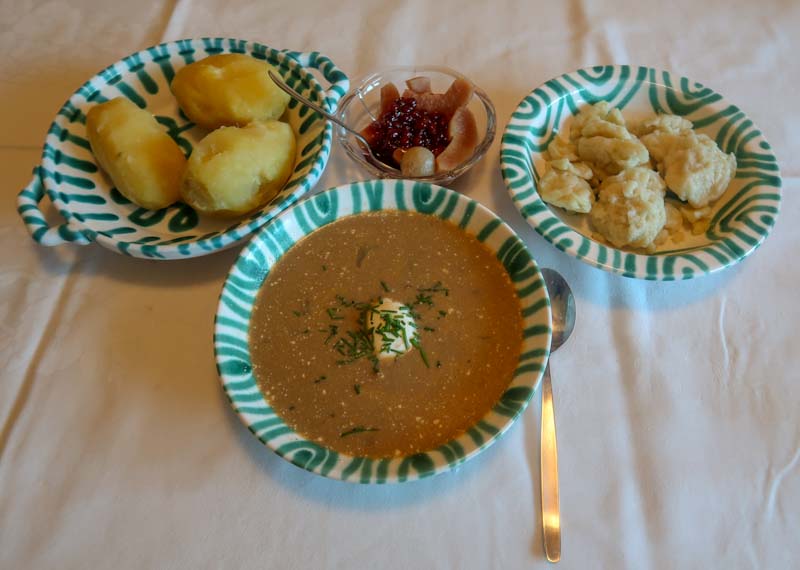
(28, 208)
(337, 78)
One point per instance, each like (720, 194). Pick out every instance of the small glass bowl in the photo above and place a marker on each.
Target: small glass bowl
(361, 106)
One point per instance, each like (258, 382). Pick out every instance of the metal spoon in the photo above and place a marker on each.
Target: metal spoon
(362, 141)
(562, 306)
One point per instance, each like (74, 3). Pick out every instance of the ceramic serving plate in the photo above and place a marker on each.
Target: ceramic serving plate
(742, 217)
(94, 211)
(232, 343)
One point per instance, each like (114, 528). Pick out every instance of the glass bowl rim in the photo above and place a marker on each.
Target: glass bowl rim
(369, 79)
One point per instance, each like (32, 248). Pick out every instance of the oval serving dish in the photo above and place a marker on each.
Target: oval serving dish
(232, 326)
(94, 211)
(742, 217)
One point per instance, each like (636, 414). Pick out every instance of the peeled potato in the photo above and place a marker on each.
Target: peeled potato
(235, 170)
(144, 163)
(229, 89)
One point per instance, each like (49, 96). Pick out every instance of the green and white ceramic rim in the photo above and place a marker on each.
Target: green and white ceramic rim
(94, 211)
(743, 217)
(231, 341)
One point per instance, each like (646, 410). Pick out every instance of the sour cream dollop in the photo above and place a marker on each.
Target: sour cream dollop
(394, 331)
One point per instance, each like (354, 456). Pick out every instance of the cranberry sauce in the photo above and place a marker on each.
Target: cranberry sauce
(404, 126)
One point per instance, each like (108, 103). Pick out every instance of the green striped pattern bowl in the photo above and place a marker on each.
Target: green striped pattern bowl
(742, 218)
(232, 345)
(94, 211)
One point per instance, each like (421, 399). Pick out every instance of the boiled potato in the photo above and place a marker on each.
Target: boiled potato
(228, 89)
(235, 170)
(144, 163)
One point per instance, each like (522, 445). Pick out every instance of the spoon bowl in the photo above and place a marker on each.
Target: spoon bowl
(562, 305)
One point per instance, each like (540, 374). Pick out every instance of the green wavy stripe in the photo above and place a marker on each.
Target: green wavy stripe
(233, 306)
(352, 468)
(426, 200)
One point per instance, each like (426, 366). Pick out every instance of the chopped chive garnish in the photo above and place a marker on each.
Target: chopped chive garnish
(357, 388)
(357, 429)
(393, 327)
(438, 364)
(303, 311)
(429, 329)
(320, 379)
(416, 344)
(324, 267)
(423, 299)
(353, 346)
(424, 356)
(436, 287)
(333, 330)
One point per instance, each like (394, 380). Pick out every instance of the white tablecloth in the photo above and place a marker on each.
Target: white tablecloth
(677, 404)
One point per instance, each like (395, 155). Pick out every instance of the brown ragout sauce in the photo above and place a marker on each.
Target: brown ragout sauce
(467, 314)
(404, 126)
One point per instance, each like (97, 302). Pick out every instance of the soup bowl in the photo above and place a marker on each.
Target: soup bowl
(95, 211)
(232, 342)
(741, 218)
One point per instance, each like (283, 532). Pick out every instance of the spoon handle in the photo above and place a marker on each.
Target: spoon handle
(305, 101)
(551, 515)
(333, 118)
